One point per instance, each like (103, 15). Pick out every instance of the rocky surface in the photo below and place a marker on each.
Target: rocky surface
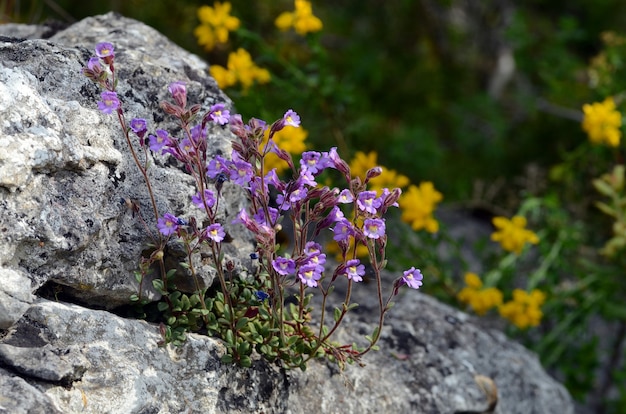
(68, 249)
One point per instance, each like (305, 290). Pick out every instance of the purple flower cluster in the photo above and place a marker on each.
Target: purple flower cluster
(353, 216)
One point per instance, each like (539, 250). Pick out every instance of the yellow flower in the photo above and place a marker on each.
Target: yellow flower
(602, 122)
(362, 162)
(222, 76)
(240, 68)
(290, 139)
(525, 309)
(215, 24)
(332, 247)
(511, 234)
(480, 300)
(418, 205)
(301, 19)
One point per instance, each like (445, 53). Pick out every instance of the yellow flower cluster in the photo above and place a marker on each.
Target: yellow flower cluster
(525, 309)
(215, 24)
(362, 162)
(479, 299)
(290, 139)
(512, 234)
(602, 123)
(301, 19)
(240, 69)
(418, 205)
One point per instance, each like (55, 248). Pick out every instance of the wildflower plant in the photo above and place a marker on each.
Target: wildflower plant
(270, 312)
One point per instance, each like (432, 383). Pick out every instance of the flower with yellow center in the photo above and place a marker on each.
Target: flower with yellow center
(512, 234)
(602, 123)
(301, 19)
(215, 24)
(418, 204)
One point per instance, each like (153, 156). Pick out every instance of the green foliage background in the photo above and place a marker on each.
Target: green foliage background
(410, 79)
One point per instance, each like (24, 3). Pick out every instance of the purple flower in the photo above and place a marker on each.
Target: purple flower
(218, 114)
(343, 229)
(259, 217)
(345, 197)
(288, 199)
(159, 141)
(368, 202)
(354, 270)
(198, 135)
(215, 232)
(413, 278)
(109, 102)
(314, 162)
(168, 224)
(105, 51)
(209, 199)
(139, 126)
(374, 228)
(94, 65)
(309, 275)
(314, 255)
(179, 93)
(187, 147)
(240, 171)
(217, 165)
(291, 118)
(284, 266)
(307, 178)
(272, 178)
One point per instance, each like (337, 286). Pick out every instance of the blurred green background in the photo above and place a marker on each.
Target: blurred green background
(444, 90)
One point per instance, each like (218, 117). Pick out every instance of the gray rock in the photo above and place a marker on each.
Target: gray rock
(64, 167)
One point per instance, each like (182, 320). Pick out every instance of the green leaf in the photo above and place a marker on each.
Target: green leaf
(245, 361)
(337, 314)
(241, 323)
(230, 337)
(134, 297)
(158, 285)
(171, 320)
(243, 348)
(162, 306)
(227, 359)
(138, 277)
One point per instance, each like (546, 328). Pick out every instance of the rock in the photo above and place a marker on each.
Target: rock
(65, 167)
(66, 238)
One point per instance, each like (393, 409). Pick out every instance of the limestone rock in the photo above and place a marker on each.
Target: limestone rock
(63, 169)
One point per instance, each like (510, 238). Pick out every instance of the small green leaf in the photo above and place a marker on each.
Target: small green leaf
(241, 323)
(230, 338)
(337, 314)
(162, 306)
(158, 284)
(134, 297)
(245, 361)
(227, 359)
